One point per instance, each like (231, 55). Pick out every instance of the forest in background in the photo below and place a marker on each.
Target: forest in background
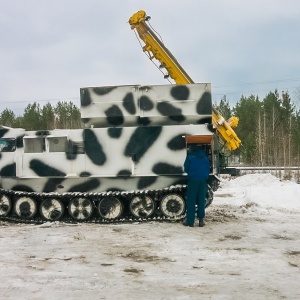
(48, 117)
(269, 128)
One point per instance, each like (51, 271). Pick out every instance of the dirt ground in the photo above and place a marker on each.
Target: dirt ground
(246, 252)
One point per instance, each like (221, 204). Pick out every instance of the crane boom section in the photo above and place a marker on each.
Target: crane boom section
(156, 49)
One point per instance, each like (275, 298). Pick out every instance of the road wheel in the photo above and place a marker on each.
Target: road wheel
(142, 206)
(110, 208)
(25, 207)
(52, 209)
(5, 205)
(172, 206)
(81, 209)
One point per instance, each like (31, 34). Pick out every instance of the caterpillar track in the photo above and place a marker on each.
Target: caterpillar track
(166, 205)
(108, 207)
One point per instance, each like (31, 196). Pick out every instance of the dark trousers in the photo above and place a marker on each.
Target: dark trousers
(196, 194)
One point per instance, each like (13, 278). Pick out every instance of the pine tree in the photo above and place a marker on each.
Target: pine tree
(32, 117)
(7, 118)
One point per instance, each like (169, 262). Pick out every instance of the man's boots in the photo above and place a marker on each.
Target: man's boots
(201, 223)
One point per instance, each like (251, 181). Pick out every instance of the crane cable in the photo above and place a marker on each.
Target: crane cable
(150, 57)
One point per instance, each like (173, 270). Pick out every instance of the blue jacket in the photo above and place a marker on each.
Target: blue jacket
(196, 165)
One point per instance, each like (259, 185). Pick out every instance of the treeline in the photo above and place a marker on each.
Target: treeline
(269, 129)
(63, 115)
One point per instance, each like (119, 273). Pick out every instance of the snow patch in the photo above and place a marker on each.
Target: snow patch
(254, 180)
(265, 190)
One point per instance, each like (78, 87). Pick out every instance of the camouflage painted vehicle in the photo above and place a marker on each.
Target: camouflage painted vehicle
(125, 165)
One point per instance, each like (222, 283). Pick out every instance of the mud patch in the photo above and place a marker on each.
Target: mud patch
(220, 272)
(250, 204)
(260, 220)
(9, 223)
(232, 237)
(221, 214)
(57, 258)
(119, 229)
(35, 268)
(293, 253)
(293, 265)
(281, 237)
(293, 258)
(141, 257)
(133, 270)
(223, 195)
(78, 236)
(242, 250)
(246, 249)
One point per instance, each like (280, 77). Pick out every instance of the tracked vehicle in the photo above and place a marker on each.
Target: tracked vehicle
(126, 165)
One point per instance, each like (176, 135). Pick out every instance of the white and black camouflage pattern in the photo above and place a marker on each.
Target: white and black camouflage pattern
(133, 140)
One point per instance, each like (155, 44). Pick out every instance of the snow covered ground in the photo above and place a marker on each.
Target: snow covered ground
(249, 249)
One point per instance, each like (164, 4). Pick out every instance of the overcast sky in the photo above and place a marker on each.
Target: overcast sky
(51, 48)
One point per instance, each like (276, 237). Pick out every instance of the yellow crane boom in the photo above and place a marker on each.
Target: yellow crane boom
(156, 49)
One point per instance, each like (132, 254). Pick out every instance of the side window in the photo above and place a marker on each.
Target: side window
(56, 143)
(40, 144)
(7, 144)
(33, 144)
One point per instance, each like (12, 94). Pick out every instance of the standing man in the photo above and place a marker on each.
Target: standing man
(197, 167)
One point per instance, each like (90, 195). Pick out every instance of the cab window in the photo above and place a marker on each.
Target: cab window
(7, 144)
